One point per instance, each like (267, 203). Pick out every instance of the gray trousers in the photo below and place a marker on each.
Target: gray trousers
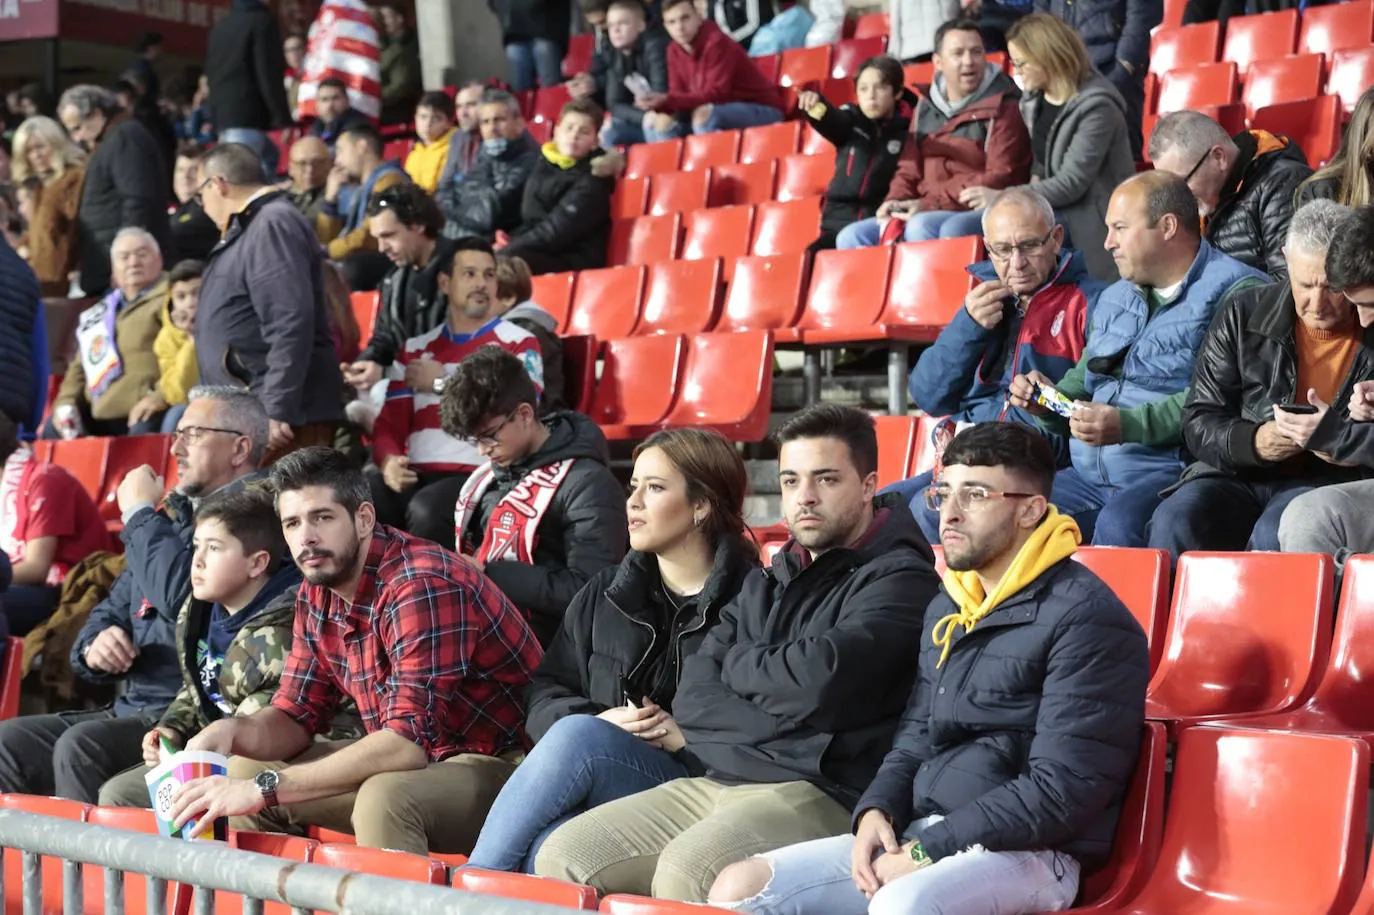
(69, 754)
(1330, 519)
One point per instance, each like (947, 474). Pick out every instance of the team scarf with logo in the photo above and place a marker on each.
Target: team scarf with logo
(95, 341)
(513, 528)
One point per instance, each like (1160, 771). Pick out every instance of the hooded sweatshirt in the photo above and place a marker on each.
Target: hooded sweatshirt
(176, 360)
(544, 327)
(427, 161)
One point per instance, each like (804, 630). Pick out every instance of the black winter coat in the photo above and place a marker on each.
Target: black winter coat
(806, 674)
(648, 58)
(524, 20)
(127, 184)
(611, 632)
(489, 196)
(866, 156)
(1247, 363)
(411, 305)
(1112, 30)
(582, 532)
(246, 69)
(194, 234)
(565, 217)
(21, 308)
(1251, 220)
(1027, 736)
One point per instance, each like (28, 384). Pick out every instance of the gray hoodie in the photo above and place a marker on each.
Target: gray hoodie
(544, 326)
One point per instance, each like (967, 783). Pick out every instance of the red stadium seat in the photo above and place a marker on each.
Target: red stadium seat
(787, 227)
(652, 158)
(872, 25)
(42, 450)
(1230, 117)
(919, 75)
(637, 385)
(1140, 578)
(764, 144)
(83, 458)
(11, 675)
(330, 836)
(1288, 79)
(1173, 12)
(1352, 72)
(606, 302)
(542, 131)
(850, 54)
(644, 240)
(1191, 87)
(765, 294)
(896, 448)
(839, 92)
(291, 848)
(1267, 36)
(1314, 124)
(678, 192)
(1221, 657)
(397, 150)
(802, 66)
(929, 282)
(383, 862)
(126, 453)
(365, 305)
(802, 176)
(737, 185)
(707, 150)
(620, 904)
(1184, 46)
(630, 198)
(553, 292)
(523, 886)
(846, 294)
(579, 371)
(1338, 27)
(548, 101)
(680, 297)
(721, 232)
(1233, 792)
(581, 49)
(727, 385)
(132, 819)
(813, 144)
(768, 65)
(59, 808)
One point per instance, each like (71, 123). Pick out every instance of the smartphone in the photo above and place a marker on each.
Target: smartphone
(1298, 408)
(628, 691)
(638, 84)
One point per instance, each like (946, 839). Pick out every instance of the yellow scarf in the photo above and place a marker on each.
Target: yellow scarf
(550, 151)
(1056, 538)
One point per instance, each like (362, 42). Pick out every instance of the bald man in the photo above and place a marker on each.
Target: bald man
(308, 166)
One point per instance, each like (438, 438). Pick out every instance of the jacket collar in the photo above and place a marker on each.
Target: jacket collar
(238, 223)
(1275, 316)
(638, 574)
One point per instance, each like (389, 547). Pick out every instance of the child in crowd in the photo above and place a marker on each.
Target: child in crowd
(514, 287)
(435, 117)
(175, 348)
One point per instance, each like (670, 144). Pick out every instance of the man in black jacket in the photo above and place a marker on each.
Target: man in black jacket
(334, 113)
(788, 705)
(126, 180)
(130, 636)
(1017, 745)
(23, 341)
(1264, 411)
(1245, 185)
(262, 321)
(487, 200)
(246, 71)
(545, 513)
(639, 51)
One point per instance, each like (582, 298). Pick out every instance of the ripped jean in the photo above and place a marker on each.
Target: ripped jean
(815, 877)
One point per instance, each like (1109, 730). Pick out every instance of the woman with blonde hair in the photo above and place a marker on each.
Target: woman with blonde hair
(1348, 178)
(43, 150)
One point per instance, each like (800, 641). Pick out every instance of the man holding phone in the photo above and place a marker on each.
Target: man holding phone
(1259, 418)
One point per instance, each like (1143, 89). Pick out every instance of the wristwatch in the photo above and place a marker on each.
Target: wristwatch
(439, 384)
(918, 851)
(267, 780)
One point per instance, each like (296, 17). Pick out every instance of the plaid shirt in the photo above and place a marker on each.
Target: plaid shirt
(429, 648)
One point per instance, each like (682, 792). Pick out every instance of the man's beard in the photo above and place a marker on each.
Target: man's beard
(325, 578)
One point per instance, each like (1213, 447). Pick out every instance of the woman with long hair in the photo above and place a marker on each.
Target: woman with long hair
(42, 150)
(601, 700)
(1348, 178)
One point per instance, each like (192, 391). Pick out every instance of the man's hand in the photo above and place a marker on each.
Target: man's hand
(112, 651)
(152, 744)
(1298, 427)
(986, 303)
(874, 836)
(216, 737)
(279, 434)
(1096, 424)
(977, 197)
(581, 86)
(1362, 402)
(1022, 392)
(397, 475)
(650, 102)
(66, 419)
(148, 406)
(1273, 445)
(889, 209)
(890, 866)
(422, 373)
(140, 486)
(362, 374)
(338, 177)
(808, 99)
(629, 718)
(207, 799)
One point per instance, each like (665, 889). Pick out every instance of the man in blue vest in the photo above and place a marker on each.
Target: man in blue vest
(1122, 405)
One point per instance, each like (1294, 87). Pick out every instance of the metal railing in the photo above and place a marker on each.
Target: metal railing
(211, 866)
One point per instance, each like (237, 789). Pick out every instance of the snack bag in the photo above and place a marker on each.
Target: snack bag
(175, 770)
(1053, 401)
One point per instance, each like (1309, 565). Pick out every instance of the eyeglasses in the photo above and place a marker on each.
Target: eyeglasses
(488, 439)
(1027, 248)
(201, 190)
(969, 498)
(194, 434)
(1193, 171)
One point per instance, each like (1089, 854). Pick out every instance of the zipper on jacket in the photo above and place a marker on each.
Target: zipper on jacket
(644, 657)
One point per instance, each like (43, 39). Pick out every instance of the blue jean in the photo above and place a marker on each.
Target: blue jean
(1111, 515)
(620, 132)
(26, 606)
(816, 877)
(920, 227)
(1223, 513)
(581, 763)
(737, 116)
(679, 128)
(172, 417)
(537, 59)
(257, 141)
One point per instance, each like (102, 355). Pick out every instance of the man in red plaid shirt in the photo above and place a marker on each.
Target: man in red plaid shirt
(434, 655)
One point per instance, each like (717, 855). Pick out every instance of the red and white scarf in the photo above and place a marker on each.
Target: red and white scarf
(13, 482)
(513, 528)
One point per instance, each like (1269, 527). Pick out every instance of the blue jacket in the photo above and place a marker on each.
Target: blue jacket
(1135, 359)
(21, 319)
(966, 373)
(1112, 30)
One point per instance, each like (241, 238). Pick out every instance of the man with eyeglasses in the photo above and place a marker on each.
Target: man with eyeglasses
(1006, 779)
(1245, 185)
(419, 468)
(129, 637)
(1125, 425)
(1028, 312)
(308, 165)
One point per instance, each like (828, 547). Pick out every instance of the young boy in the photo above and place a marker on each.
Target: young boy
(434, 125)
(514, 286)
(175, 348)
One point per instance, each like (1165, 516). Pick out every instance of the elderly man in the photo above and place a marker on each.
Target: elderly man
(308, 165)
(1275, 360)
(1245, 185)
(126, 179)
(129, 637)
(115, 365)
(1125, 396)
(488, 200)
(1029, 311)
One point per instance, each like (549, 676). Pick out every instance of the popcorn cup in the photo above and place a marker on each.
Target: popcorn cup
(164, 782)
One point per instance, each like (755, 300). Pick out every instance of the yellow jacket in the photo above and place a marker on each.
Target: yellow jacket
(425, 164)
(176, 360)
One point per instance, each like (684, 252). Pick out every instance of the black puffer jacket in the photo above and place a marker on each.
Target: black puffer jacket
(21, 308)
(582, 532)
(565, 216)
(126, 185)
(613, 629)
(1026, 737)
(648, 58)
(411, 304)
(806, 674)
(1246, 364)
(488, 198)
(1251, 220)
(866, 156)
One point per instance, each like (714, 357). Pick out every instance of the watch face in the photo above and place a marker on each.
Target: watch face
(267, 780)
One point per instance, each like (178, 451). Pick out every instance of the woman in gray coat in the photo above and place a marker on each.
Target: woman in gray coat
(1077, 122)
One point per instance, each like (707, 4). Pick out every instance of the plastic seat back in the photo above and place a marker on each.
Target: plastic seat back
(579, 370)
(652, 158)
(707, 150)
(1345, 684)
(51, 868)
(801, 176)
(928, 284)
(365, 306)
(680, 297)
(1140, 578)
(801, 66)
(1191, 87)
(768, 65)
(1338, 27)
(919, 75)
(872, 25)
(1266, 36)
(526, 887)
(1351, 73)
(850, 54)
(11, 675)
(133, 819)
(742, 184)
(814, 144)
(638, 381)
(606, 302)
(1233, 792)
(786, 227)
(677, 192)
(630, 198)
(620, 904)
(290, 848)
(126, 453)
(553, 292)
(1171, 48)
(765, 293)
(83, 458)
(721, 232)
(727, 385)
(383, 862)
(1247, 633)
(548, 101)
(581, 49)
(846, 292)
(770, 142)
(838, 92)
(644, 240)
(896, 447)
(1288, 79)
(1314, 124)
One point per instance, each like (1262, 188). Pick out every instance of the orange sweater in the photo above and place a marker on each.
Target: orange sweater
(1324, 359)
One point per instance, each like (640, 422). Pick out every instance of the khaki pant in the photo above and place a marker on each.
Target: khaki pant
(439, 808)
(672, 841)
(306, 436)
(127, 789)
